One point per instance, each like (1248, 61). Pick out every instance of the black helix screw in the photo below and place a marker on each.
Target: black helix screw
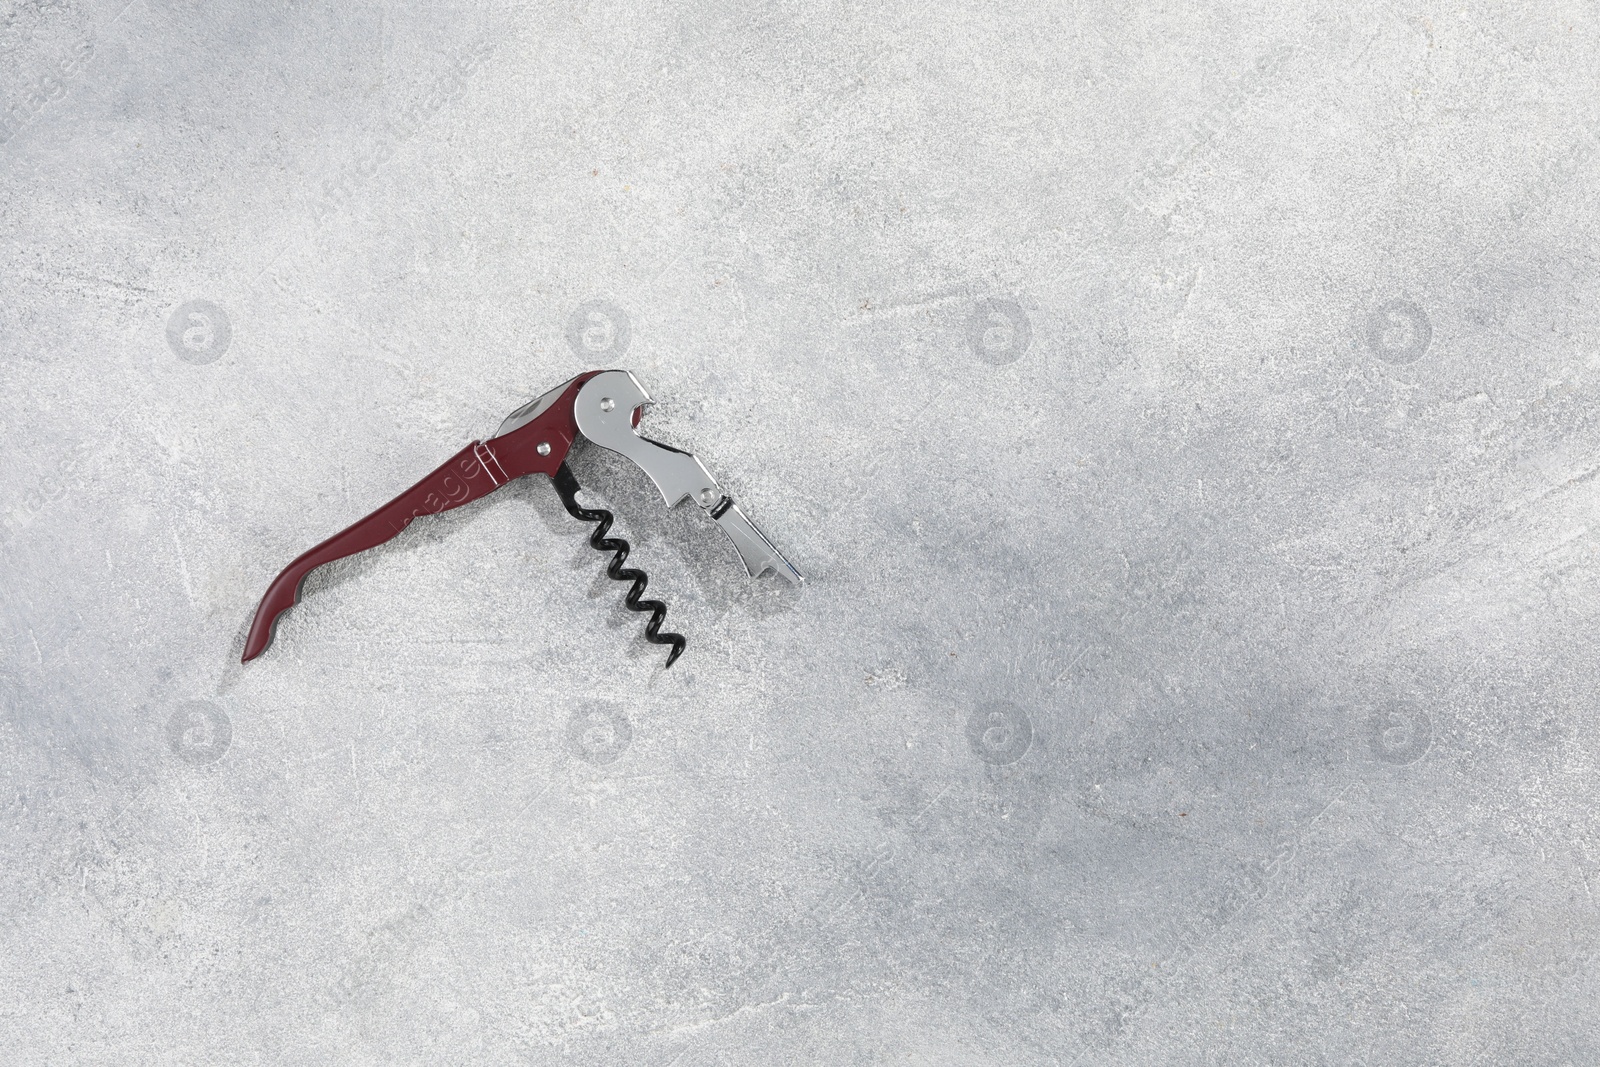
(567, 488)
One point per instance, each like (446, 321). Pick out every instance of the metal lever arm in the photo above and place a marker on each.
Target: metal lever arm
(604, 411)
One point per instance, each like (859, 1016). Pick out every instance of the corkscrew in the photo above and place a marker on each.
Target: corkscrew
(602, 407)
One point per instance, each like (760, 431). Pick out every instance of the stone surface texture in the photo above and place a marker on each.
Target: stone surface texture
(1188, 416)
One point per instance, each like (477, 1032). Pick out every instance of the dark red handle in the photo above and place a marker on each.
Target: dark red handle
(475, 471)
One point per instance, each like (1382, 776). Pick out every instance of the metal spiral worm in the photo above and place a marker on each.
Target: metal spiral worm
(567, 488)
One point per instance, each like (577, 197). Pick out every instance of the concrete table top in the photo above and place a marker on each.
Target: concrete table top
(1186, 417)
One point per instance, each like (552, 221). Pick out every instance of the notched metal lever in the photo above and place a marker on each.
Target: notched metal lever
(604, 411)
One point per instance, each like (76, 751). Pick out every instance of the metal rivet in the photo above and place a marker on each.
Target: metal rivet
(606, 403)
(544, 448)
(707, 498)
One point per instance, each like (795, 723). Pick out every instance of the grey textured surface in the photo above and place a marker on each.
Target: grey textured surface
(1186, 416)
